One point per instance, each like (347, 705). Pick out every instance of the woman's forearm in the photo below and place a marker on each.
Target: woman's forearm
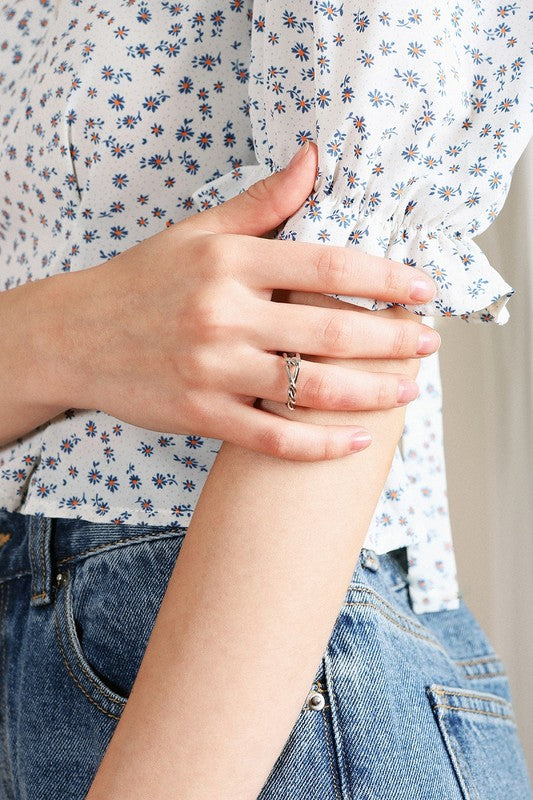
(31, 357)
(246, 616)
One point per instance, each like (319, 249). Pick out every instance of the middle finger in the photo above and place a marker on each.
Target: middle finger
(340, 333)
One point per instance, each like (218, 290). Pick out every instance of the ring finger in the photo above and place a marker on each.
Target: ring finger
(323, 386)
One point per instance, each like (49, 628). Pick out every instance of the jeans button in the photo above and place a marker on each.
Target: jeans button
(315, 701)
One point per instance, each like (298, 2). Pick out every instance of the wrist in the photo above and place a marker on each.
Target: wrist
(54, 359)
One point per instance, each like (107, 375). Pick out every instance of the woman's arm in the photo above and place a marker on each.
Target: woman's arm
(29, 367)
(247, 613)
(183, 347)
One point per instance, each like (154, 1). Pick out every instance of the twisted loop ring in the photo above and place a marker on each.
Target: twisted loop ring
(292, 365)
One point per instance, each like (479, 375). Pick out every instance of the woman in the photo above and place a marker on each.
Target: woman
(280, 612)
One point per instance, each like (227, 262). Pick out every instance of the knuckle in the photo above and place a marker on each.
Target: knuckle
(392, 281)
(385, 394)
(196, 365)
(337, 334)
(208, 315)
(400, 341)
(333, 269)
(210, 253)
(277, 442)
(259, 190)
(327, 449)
(202, 409)
(261, 193)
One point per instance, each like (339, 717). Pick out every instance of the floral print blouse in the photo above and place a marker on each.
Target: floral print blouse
(120, 118)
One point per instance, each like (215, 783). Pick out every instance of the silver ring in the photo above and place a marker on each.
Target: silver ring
(292, 365)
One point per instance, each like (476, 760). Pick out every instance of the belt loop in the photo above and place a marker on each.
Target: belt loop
(40, 530)
(369, 559)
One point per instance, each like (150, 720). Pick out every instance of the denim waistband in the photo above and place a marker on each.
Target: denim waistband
(40, 545)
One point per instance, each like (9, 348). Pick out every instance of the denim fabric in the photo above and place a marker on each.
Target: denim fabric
(403, 706)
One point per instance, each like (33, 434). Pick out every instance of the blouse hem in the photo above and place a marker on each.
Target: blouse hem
(390, 540)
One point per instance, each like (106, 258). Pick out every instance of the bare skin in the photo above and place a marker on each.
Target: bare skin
(192, 306)
(246, 616)
(250, 606)
(248, 539)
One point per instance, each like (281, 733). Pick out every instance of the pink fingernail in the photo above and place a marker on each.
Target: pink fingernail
(428, 343)
(360, 440)
(407, 391)
(421, 289)
(299, 154)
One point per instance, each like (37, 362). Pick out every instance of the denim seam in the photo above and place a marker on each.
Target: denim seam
(368, 590)
(466, 693)
(107, 694)
(8, 772)
(482, 675)
(480, 660)
(82, 554)
(459, 767)
(87, 674)
(328, 748)
(76, 681)
(42, 526)
(4, 678)
(118, 543)
(32, 555)
(452, 755)
(41, 522)
(336, 730)
(467, 710)
(401, 627)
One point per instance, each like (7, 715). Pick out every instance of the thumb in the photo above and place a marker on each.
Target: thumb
(268, 201)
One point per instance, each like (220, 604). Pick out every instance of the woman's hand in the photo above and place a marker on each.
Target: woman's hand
(179, 333)
(366, 366)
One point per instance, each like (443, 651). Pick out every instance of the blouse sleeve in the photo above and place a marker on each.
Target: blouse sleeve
(418, 130)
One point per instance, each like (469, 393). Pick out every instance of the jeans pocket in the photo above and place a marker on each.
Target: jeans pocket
(480, 736)
(105, 607)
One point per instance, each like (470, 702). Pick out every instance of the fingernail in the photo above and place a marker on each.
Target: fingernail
(407, 391)
(360, 440)
(299, 154)
(428, 343)
(421, 289)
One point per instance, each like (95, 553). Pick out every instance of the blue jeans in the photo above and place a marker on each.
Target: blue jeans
(402, 707)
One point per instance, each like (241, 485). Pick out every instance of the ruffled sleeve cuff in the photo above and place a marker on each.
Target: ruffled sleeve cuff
(469, 287)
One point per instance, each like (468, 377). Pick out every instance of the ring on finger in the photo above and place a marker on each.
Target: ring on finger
(292, 365)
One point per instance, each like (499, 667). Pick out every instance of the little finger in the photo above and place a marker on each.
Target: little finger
(273, 435)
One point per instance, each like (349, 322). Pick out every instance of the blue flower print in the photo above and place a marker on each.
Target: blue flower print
(121, 119)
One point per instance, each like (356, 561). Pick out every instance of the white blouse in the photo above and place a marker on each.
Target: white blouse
(116, 122)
